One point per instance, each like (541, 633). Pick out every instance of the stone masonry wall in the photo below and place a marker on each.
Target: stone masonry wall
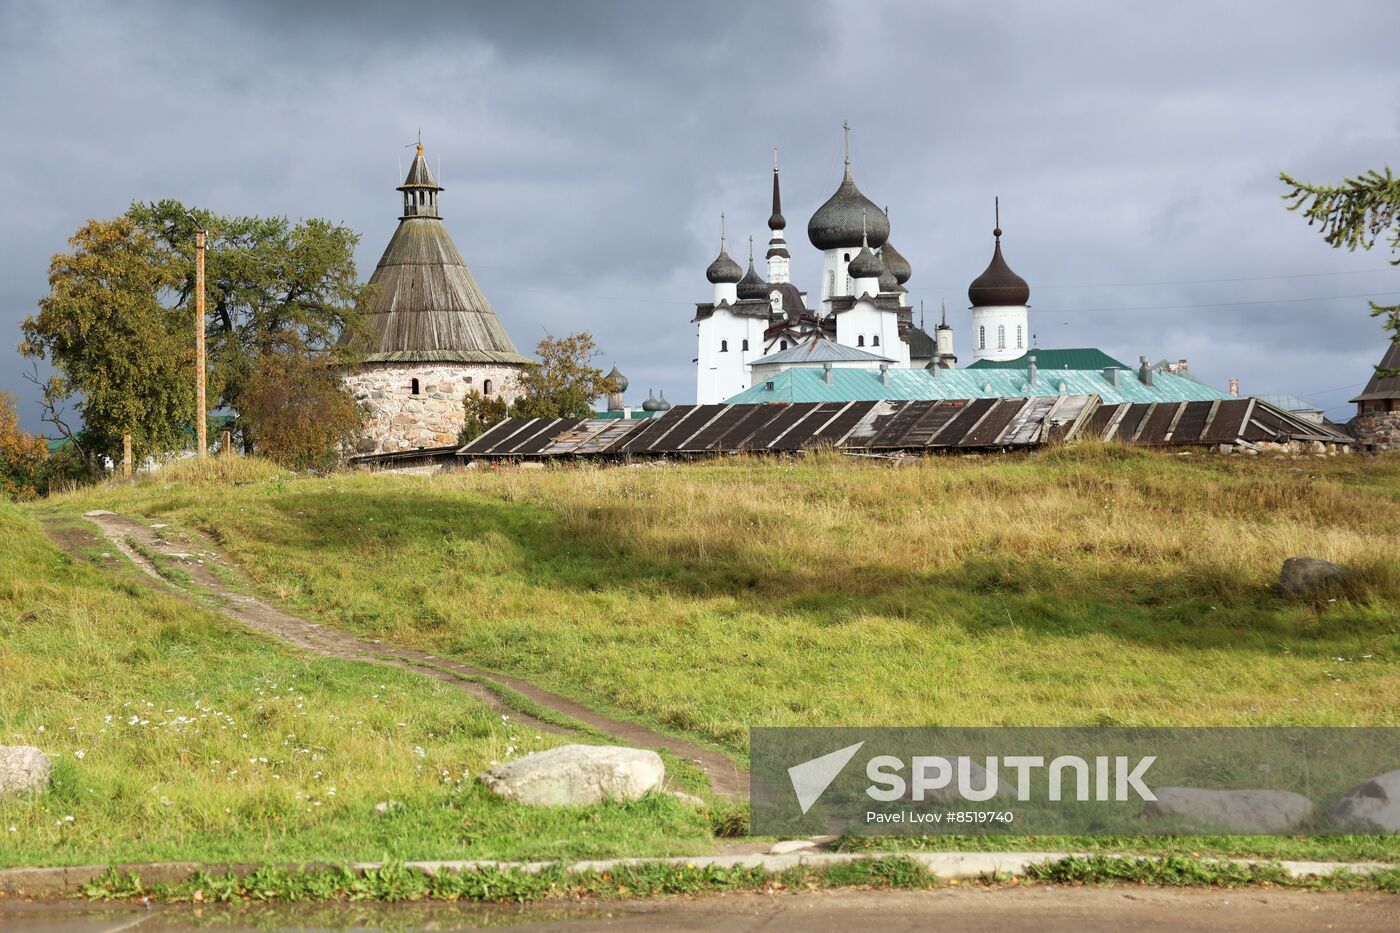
(1378, 430)
(400, 420)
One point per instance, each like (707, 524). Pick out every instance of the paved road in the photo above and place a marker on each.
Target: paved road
(1032, 909)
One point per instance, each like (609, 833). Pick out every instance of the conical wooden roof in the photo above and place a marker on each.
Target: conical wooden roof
(424, 305)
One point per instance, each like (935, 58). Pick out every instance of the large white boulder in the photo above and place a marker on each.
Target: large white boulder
(1238, 811)
(573, 775)
(23, 767)
(1372, 807)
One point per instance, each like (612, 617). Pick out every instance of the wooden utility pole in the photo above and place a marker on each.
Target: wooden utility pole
(201, 414)
(126, 456)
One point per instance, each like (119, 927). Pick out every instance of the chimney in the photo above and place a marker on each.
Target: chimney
(884, 374)
(1032, 373)
(826, 373)
(1110, 375)
(1182, 366)
(1234, 388)
(1144, 371)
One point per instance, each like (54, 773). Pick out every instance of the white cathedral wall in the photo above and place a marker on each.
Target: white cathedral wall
(866, 321)
(399, 420)
(722, 363)
(985, 324)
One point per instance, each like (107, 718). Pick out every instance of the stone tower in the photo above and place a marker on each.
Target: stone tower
(429, 336)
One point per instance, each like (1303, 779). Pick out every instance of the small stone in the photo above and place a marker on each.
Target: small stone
(1372, 807)
(788, 846)
(576, 775)
(689, 799)
(1303, 575)
(386, 806)
(1231, 811)
(23, 768)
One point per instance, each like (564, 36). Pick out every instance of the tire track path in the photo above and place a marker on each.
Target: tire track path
(135, 540)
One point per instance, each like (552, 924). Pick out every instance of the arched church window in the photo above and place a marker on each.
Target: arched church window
(744, 345)
(860, 340)
(981, 338)
(724, 346)
(782, 345)
(875, 341)
(846, 257)
(1001, 336)
(414, 387)
(486, 387)
(1018, 337)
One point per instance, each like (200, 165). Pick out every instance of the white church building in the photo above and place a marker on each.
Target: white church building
(755, 327)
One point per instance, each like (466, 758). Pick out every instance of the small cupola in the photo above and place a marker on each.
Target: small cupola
(420, 189)
(752, 286)
(998, 286)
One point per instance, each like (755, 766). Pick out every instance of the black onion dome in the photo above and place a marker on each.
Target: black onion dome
(888, 283)
(752, 284)
(652, 403)
(724, 269)
(842, 219)
(661, 403)
(895, 262)
(998, 285)
(866, 265)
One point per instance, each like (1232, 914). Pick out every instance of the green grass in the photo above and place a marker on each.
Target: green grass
(1089, 585)
(176, 735)
(398, 883)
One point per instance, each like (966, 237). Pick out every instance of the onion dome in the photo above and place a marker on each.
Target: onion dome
(888, 283)
(661, 403)
(652, 403)
(841, 220)
(617, 379)
(998, 285)
(895, 262)
(837, 223)
(866, 265)
(752, 284)
(724, 269)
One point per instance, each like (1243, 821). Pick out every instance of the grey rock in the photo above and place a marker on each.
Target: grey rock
(1372, 807)
(1303, 575)
(1236, 811)
(788, 846)
(689, 799)
(23, 768)
(385, 807)
(575, 775)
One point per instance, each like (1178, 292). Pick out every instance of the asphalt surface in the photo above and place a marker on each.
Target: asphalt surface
(1039, 909)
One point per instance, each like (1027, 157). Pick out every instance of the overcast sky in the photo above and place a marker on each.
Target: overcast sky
(587, 150)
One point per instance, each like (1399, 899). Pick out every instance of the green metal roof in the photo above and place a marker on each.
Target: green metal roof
(1080, 358)
(804, 384)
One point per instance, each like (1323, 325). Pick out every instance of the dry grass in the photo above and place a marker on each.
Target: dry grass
(1089, 584)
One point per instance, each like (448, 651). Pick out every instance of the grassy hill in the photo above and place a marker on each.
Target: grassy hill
(177, 735)
(1085, 585)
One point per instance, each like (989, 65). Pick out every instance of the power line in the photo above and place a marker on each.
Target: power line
(1216, 304)
(1249, 278)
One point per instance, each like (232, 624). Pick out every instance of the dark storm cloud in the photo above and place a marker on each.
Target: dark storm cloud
(588, 149)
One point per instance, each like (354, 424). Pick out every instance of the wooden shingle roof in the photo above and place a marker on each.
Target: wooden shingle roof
(424, 304)
(1384, 386)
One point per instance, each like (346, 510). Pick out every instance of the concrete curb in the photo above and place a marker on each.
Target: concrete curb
(948, 866)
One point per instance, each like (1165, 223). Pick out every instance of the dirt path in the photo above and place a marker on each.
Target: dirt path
(132, 538)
